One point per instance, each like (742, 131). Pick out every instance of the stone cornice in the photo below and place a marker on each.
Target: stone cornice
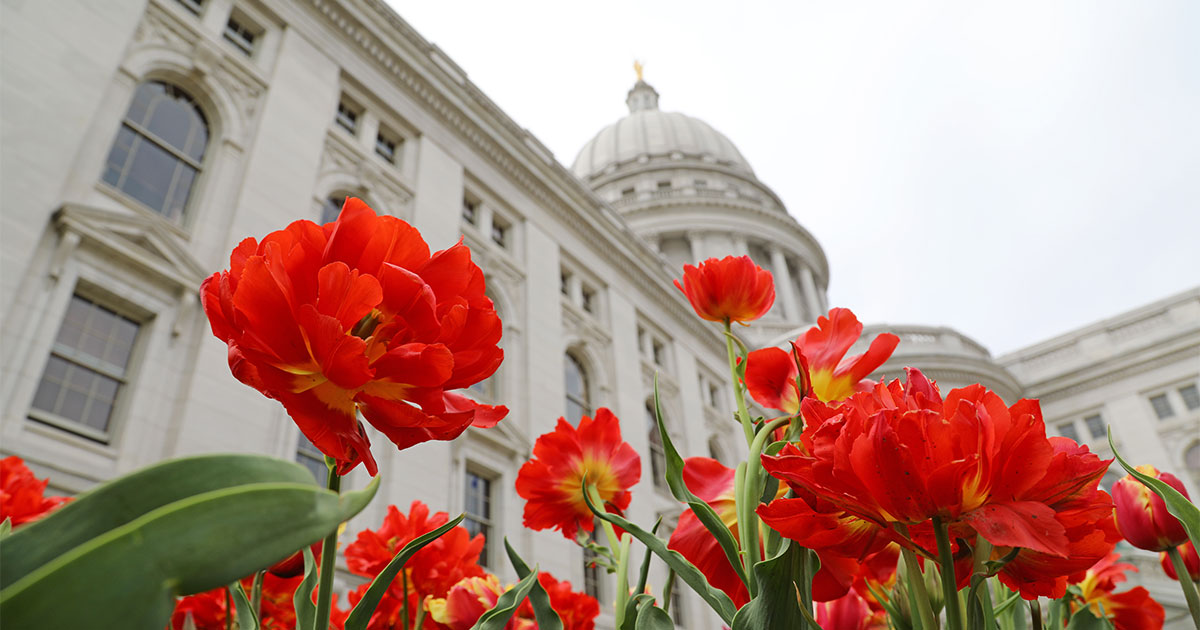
(1097, 375)
(514, 151)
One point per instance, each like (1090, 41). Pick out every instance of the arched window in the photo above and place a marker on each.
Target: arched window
(578, 398)
(658, 455)
(159, 149)
(332, 207)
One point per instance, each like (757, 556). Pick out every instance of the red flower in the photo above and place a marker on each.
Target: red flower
(293, 565)
(357, 316)
(1191, 561)
(22, 495)
(277, 610)
(1142, 516)
(850, 612)
(714, 484)
(434, 569)
(466, 602)
(578, 611)
(1131, 610)
(732, 289)
(552, 482)
(771, 373)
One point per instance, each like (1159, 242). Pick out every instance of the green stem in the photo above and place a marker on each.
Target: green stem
(954, 620)
(328, 555)
(745, 533)
(739, 395)
(256, 594)
(420, 618)
(982, 552)
(1035, 614)
(918, 596)
(749, 494)
(404, 604)
(623, 575)
(610, 533)
(668, 586)
(228, 610)
(1186, 583)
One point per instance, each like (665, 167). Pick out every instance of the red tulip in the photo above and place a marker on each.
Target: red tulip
(552, 482)
(820, 354)
(467, 601)
(357, 316)
(1190, 560)
(1131, 610)
(732, 289)
(1142, 516)
(577, 611)
(22, 495)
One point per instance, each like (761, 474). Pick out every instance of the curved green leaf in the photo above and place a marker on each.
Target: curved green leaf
(777, 604)
(651, 617)
(547, 617)
(370, 600)
(1177, 504)
(247, 617)
(703, 511)
(687, 572)
(506, 606)
(126, 498)
(129, 577)
(302, 599)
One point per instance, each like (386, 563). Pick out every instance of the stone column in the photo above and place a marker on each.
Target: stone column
(696, 243)
(811, 297)
(783, 285)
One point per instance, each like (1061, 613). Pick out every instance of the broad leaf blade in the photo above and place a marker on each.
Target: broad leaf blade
(302, 599)
(370, 600)
(124, 499)
(776, 605)
(506, 606)
(651, 617)
(687, 572)
(1177, 504)
(703, 511)
(547, 618)
(247, 618)
(129, 577)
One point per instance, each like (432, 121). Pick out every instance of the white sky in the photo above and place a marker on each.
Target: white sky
(1012, 171)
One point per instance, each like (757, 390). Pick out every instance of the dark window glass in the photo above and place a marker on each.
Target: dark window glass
(578, 403)
(1162, 406)
(312, 458)
(332, 208)
(478, 507)
(589, 299)
(192, 5)
(385, 147)
(499, 233)
(86, 369)
(1191, 397)
(1096, 426)
(240, 34)
(1067, 430)
(347, 117)
(159, 148)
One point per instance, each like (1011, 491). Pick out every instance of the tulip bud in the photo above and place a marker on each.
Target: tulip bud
(933, 586)
(1142, 516)
(899, 598)
(1190, 560)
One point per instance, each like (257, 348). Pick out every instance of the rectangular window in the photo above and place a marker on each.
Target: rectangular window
(589, 299)
(627, 193)
(385, 147)
(659, 353)
(564, 284)
(239, 33)
(311, 458)
(88, 365)
(664, 185)
(1162, 406)
(1096, 426)
(714, 395)
(1191, 397)
(470, 211)
(478, 509)
(499, 231)
(701, 183)
(1067, 430)
(347, 116)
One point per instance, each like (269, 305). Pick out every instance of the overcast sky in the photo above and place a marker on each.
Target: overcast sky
(1013, 171)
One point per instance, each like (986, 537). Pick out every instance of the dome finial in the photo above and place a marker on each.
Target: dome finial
(642, 97)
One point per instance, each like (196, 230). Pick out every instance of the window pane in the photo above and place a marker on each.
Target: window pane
(1096, 426)
(118, 158)
(1162, 406)
(172, 119)
(1067, 429)
(1191, 397)
(150, 174)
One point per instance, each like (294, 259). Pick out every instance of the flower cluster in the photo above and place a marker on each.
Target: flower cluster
(22, 496)
(358, 316)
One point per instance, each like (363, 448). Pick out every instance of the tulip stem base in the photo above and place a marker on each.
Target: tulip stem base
(1185, 582)
(919, 597)
(954, 620)
(328, 556)
(739, 395)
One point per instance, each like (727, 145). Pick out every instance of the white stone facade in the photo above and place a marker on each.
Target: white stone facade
(576, 265)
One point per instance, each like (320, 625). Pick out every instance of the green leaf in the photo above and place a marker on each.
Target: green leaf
(1083, 619)
(547, 618)
(629, 621)
(247, 618)
(370, 600)
(6, 527)
(651, 617)
(644, 571)
(506, 606)
(687, 572)
(129, 577)
(1177, 504)
(126, 498)
(777, 605)
(703, 511)
(302, 599)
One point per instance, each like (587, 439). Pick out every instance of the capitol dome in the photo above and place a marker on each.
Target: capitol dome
(648, 133)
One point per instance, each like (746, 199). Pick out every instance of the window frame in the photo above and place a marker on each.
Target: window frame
(488, 523)
(1194, 393)
(1166, 411)
(585, 400)
(238, 27)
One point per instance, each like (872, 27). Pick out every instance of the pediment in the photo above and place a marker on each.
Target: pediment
(505, 437)
(141, 241)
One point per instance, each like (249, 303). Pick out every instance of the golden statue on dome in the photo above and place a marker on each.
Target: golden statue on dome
(638, 67)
